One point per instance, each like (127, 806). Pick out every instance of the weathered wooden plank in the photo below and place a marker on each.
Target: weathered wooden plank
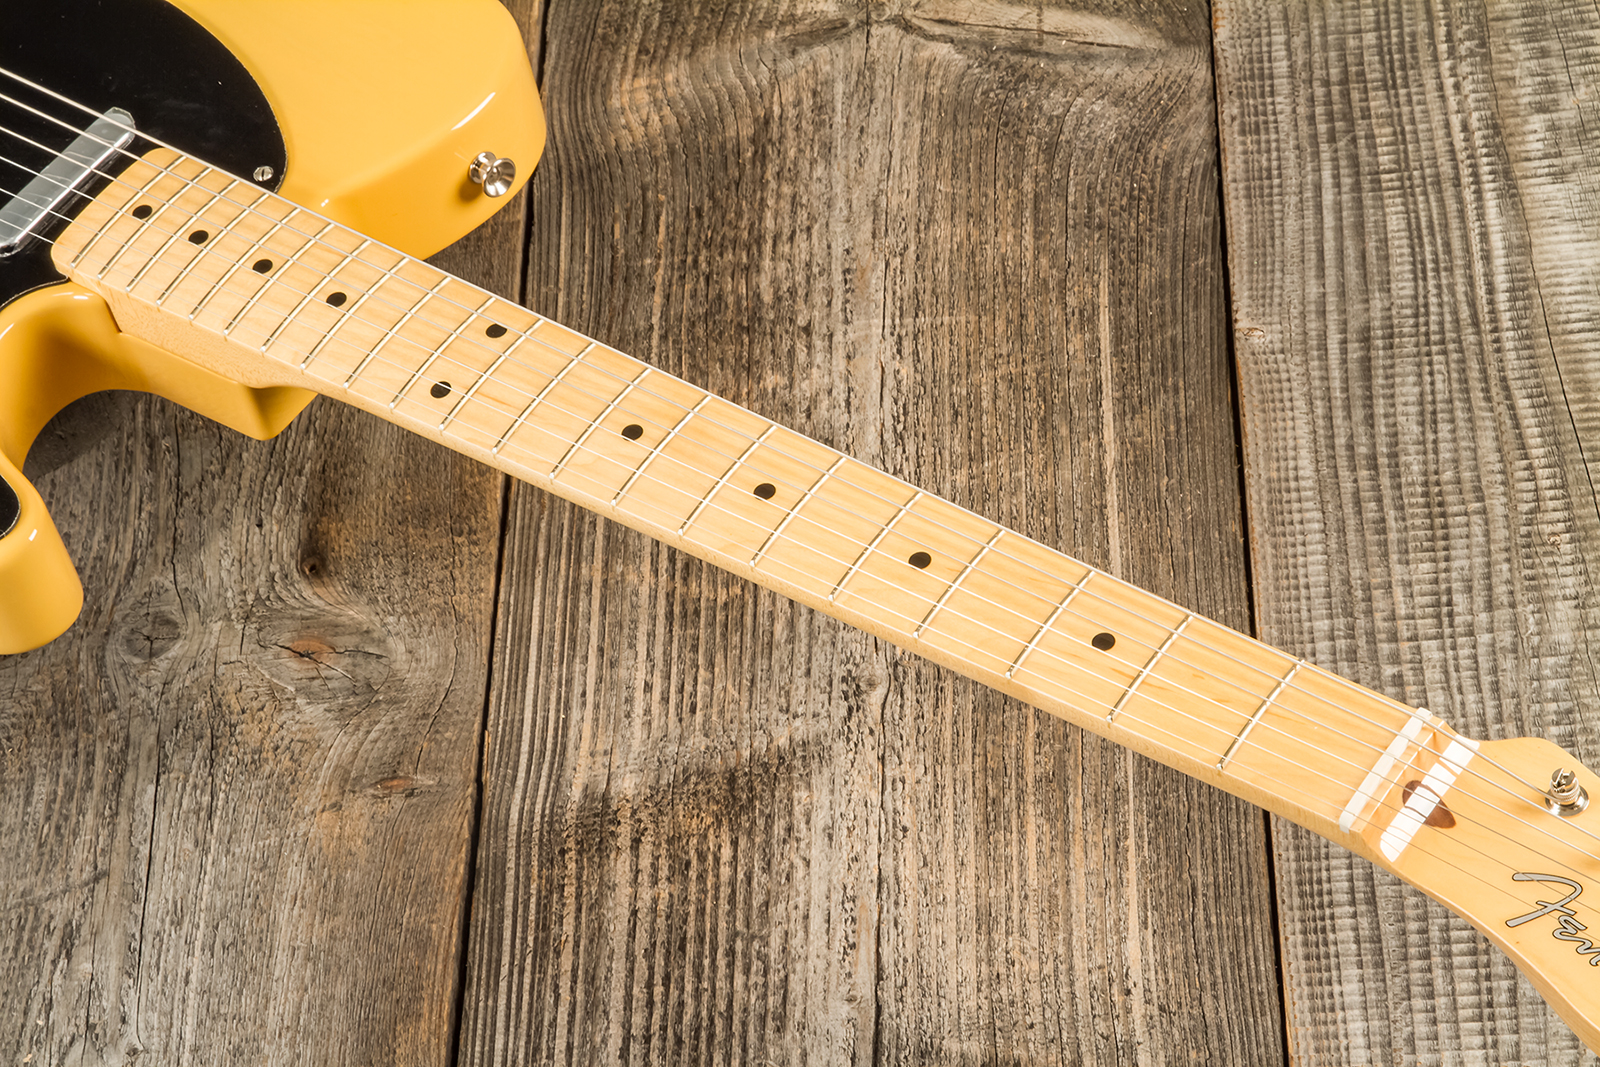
(1411, 194)
(979, 246)
(236, 799)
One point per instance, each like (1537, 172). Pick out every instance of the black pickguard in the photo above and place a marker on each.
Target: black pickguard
(145, 56)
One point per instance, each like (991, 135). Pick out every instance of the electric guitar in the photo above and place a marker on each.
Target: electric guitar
(157, 232)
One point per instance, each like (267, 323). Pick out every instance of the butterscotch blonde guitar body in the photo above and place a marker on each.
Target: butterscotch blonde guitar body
(381, 110)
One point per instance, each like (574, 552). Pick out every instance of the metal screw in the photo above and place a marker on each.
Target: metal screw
(1566, 796)
(264, 173)
(493, 173)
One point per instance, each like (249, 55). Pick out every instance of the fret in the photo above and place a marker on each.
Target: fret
(1144, 672)
(1256, 717)
(555, 472)
(722, 481)
(437, 350)
(242, 260)
(248, 213)
(755, 560)
(305, 298)
(1049, 623)
(133, 283)
(656, 451)
(486, 376)
(385, 274)
(120, 213)
(538, 398)
(951, 588)
(872, 545)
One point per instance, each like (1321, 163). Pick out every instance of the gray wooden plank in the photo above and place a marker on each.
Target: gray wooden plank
(1411, 196)
(980, 246)
(236, 800)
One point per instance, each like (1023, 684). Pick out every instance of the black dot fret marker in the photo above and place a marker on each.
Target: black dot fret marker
(633, 431)
(920, 560)
(495, 330)
(199, 237)
(336, 299)
(766, 490)
(1104, 642)
(440, 390)
(143, 211)
(261, 266)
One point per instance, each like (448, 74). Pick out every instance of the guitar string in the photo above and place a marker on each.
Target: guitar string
(1249, 666)
(1044, 603)
(1380, 804)
(383, 273)
(1092, 674)
(1235, 685)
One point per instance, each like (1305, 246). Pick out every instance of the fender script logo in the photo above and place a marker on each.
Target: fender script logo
(1567, 928)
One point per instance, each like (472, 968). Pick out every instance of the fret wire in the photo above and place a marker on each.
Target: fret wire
(595, 423)
(227, 229)
(487, 375)
(442, 346)
(138, 276)
(1038, 635)
(304, 299)
(1260, 711)
(355, 306)
(1145, 670)
(920, 627)
(773, 536)
(872, 546)
(252, 250)
(951, 588)
(691, 413)
(115, 215)
(516, 423)
(727, 474)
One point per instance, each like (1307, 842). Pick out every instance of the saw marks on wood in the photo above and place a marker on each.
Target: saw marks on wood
(1412, 226)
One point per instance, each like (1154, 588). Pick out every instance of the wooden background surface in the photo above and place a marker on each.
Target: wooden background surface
(361, 755)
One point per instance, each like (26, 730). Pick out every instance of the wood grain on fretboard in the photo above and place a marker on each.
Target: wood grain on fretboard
(271, 294)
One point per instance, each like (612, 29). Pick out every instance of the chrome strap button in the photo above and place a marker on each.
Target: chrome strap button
(494, 174)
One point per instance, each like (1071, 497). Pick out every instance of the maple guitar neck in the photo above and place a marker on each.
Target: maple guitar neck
(247, 283)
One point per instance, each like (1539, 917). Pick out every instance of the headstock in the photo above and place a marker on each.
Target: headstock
(1488, 834)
